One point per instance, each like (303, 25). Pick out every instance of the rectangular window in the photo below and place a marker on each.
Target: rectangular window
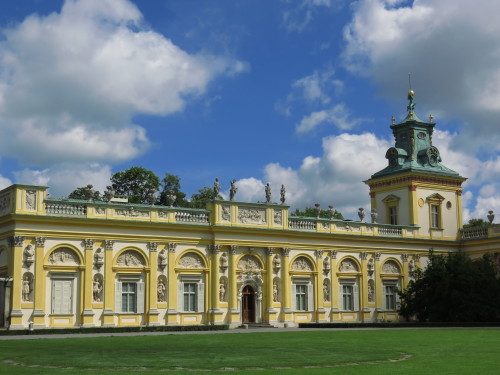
(435, 216)
(301, 297)
(190, 297)
(347, 297)
(129, 297)
(390, 295)
(393, 215)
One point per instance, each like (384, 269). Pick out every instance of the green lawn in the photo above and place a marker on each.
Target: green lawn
(425, 351)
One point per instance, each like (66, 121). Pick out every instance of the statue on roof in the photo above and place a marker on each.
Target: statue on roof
(411, 104)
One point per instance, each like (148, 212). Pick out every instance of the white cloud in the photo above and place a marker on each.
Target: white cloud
(301, 12)
(4, 182)
(338, 115)
(70, 82)
(333, 178)
(452, 50)
(64, 178)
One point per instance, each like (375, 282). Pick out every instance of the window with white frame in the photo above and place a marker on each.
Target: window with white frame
(303, 297)
(130, 295)
(62, 295)
(191, 294)
(435, 216)
(390, 292)
(349, 295)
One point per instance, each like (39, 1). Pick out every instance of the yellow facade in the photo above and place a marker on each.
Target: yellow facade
(66, 263)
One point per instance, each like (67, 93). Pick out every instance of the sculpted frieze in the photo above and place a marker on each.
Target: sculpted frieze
(278, 217)
(130, 258)
(255, 216)
(191, 260)
(390, 267)
(31, 200)
(63, 256)
(131, 212)
(4, 204)
(249, 263)
(226, 213)
(348, 265)
(302, 264)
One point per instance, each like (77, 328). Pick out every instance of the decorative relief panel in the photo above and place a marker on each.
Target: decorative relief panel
(348, 265)
(131, 212)
(371, 291)
(130, 258)
(101, 211)
(31, 200)
(63, 256)
(391, 267)
(252, 216)
(278, 217)
(191, 260)
(249, 263)
(4, 204)
(302, 264)
(226, 213)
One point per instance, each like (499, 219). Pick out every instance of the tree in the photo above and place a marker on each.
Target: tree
(86, 193)
(172, 183)
(476, 223)
(200, 199)
(453, 288)
(138, 183)
(324, 214)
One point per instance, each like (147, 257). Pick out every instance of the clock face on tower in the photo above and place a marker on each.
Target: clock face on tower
(433, 156)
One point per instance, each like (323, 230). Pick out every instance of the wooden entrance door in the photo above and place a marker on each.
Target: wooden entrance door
(248, 304)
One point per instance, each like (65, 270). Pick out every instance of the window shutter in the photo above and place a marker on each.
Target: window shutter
(201, 298)
(341, 298)
(140, 298)
(66, 297)
(56, 296)
(384, 297)
(355, 297)
(180, 296)
(294, 297)
(310, 297)
(118, 297)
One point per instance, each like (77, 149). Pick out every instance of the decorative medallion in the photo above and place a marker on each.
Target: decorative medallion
(391, 267)
(348, 265)
(302, 264)
(421, 202)
(191, 260)
(130, 258)
(63, 256)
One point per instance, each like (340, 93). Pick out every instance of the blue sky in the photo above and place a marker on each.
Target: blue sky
(298, 93)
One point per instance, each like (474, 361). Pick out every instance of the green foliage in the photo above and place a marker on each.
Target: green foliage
(311, 212)
(172, 183)
(86, 193)
(138, 183)
(453, 288)
(200, 199)
(476, 223)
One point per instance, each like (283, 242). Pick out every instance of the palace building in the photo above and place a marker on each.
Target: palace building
(75, 263)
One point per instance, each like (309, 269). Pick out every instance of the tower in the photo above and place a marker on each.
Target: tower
(415, 189)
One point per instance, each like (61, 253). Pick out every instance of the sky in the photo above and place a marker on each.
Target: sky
(293, 92)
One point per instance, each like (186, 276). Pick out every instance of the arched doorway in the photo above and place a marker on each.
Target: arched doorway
(248, 304)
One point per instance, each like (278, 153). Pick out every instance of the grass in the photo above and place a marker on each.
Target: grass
(436, 351)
